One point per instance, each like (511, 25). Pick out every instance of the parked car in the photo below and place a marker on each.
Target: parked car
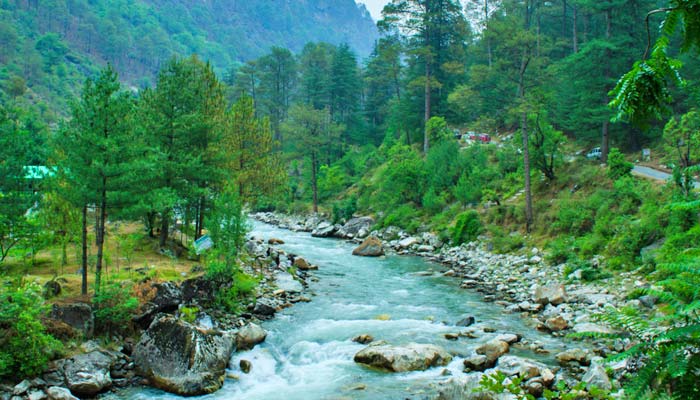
(594, 154)
(485, 138)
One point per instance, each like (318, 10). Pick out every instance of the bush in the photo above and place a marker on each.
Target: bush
(25, 347)
(241, 289)
(433, 203)
(114, 306)
(505, 243)
(344, 210)
(404, 216)
(467, 227)
(617, 165)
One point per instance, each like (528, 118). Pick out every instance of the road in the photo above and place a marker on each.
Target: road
(652, 173)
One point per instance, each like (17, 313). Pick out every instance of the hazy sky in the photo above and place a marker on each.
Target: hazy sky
(374, 7)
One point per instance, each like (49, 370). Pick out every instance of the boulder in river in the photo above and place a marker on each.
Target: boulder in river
(356, 228)
(303, 265)
(180, 358)
(493, 349)
(167, 298)
(412, 357)
(324, 229)
(250, 335)
(370, 247)
(88, 374)
(573, 355)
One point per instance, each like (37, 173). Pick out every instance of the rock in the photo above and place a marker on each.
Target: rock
(424, 248)
(363, 339)
(179, 358)
(245, 366)
(648, 300)
(274, 241)
(573, 355)
(534, 387)
(370, 247)
(324, 229)
(52, 289)
(36, 394)
(303, 265)
(264, 307)
(408, 242)
(534, 260)
(200, 289)
(597, 377)
(77, 315)
(412, 357)
(167, 298)
(547, 376)
(250, 335)
(591, 327)
(554, 294)
(465, 387)
(466, 321)
(88, 374)
(478, 362)
(60, 393)
(599, 299)
(493, 349)
(22, 387)
(451, 336)
(285, 281)
(509, 338)
(356, 227)
(556, 324)
(525, 368)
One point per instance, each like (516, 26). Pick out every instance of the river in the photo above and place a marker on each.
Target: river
(308, 353)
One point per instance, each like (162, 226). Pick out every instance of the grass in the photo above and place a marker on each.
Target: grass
(146, 261)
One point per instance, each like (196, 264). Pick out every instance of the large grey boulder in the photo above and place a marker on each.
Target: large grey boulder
(250, 335)
(167, 298)
(554, 294)
(180, 358)
(88, 374)
(465, 387)
(370, 247)
(493, 349)
(59, 393)
(324, 229)
(412, 357)
(356, 228)
(77, 315)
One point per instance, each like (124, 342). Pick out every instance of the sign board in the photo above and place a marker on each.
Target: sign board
(646, 154)
(202, 244)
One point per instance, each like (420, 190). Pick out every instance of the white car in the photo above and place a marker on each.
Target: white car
(595, 153)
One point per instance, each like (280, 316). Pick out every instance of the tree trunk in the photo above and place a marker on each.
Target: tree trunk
(314, 186)
(200, 218)
(575, 30)
(84, 284)
(526, 150)
(100, 235)
(605, 129)
(426, 140)
(164, 226)
(487, 37)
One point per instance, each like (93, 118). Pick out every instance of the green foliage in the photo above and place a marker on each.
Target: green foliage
(237, 292)
(617, 165)
(589, 273)
(467, 227)
(344, 210)
(404, 216)
(437, 130)
(499, 383)
(114, 306)
(25, 347)
(228, 228)
(503, 242)
(189, 314)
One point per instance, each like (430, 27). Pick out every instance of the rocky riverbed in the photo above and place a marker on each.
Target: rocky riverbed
(523, 284)
(173, 352)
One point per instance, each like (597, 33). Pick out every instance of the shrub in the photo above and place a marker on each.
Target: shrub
(25, 347)
(345, 209)
(432, 202)
(467, 227)
(189, 314)
(114, 306)
(403, 216)
(505, 243)
(560, 250)
(241, 288)
(617, 165)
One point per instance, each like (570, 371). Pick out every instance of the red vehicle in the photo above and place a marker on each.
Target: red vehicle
(484, 138)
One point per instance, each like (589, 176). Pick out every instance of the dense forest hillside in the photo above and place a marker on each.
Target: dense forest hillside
(52, 45)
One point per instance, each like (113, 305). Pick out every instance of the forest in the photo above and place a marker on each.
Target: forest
(468, 120)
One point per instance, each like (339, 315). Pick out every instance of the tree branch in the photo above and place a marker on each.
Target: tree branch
(646, 22)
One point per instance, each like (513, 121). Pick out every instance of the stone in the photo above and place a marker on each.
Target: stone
(36, 394)
(250, 335)
(509, 338)
(363, 339)
(168, 296)
(60, 393)
(424, 248)
(493, 349)
(245, 366)
(180, 358)
(408, 242)
(324, 229)
(52, 289)
(451, 336)
(356, 228)
(556, 324)
(596, 377)
(648, 300)
(274, 241)
(547, 376)
(554, 294)
(534, 260)
(466, 321)
(523, 367)
(591, 327)
(22, 387)
(534, 387)
(370, 247)
(478, 362)
(465, 387)
(303, 265)
(412, 357)
(264, 307)
(88, 374)
(574, 355)
(77, 315)
(199, 288)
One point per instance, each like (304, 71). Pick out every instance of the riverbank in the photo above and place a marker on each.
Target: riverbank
(180, 343)
(522, 284)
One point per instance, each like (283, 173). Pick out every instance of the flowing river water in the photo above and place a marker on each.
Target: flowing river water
(308, 353)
